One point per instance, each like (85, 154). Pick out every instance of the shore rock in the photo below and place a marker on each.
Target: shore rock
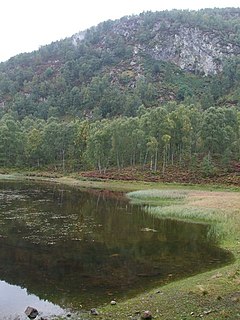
(31, 312)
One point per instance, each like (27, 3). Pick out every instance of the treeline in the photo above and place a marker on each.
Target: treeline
(153, 139)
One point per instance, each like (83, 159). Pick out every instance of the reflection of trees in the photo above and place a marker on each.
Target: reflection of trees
(97, 245)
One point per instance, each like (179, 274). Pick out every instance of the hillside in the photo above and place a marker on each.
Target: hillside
(114, 68)
(149, 91)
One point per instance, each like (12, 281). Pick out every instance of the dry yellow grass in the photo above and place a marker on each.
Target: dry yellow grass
(229, 201)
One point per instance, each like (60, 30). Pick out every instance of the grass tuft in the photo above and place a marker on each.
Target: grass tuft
(157, 197)
(185, 213)
(159, 194)
(179, 205)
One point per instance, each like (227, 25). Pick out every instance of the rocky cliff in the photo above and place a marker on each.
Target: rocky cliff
(185, 38)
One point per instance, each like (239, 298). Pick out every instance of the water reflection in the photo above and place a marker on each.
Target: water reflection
(84, 248)
(14, 300)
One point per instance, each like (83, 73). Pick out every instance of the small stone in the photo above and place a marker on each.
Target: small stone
(147, 315)
(94, 312)
(217, 275)
(235, 299)
(113, 302)
(235, 296)
(207, 312)
(31, 312)
(159, 292)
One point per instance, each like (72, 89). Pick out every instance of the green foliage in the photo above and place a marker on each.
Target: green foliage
(102, 73)
(101, 101)
(207, 166)
(219, 129)
(171, 135)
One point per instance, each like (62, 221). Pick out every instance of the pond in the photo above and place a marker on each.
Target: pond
(65, 249)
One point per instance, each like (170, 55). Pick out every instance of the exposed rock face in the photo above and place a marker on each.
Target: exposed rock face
(191, 46)
(192, 49)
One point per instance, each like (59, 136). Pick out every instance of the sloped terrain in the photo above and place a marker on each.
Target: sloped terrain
(114, 68)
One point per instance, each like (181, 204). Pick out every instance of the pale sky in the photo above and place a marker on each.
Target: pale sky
(25, 25)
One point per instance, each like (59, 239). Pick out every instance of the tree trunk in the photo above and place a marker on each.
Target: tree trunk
(145, 160)
(99, 166)
(151, 163)
(155, 162)
(63, 160)
(118, 163)
(164, 160)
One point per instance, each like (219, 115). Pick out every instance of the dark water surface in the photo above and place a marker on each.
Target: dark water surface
(63, 248)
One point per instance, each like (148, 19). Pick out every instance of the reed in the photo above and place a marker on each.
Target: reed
(179, 205)
(156, 197)
(184, 212)
(155, 193)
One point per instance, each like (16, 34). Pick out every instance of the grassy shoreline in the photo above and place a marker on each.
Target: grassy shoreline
(211, 295)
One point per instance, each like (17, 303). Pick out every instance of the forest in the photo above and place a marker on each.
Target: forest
(101, 99)
(170, 135)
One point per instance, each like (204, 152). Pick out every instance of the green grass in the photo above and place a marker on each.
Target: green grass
(212, 295)
(186, 213)
(173, 204)
(158, 194)
(156, 197)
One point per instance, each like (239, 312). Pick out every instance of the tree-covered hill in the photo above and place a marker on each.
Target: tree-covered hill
(150, 91)
(118, 66)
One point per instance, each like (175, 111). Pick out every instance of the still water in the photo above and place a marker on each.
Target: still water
(68, 249)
